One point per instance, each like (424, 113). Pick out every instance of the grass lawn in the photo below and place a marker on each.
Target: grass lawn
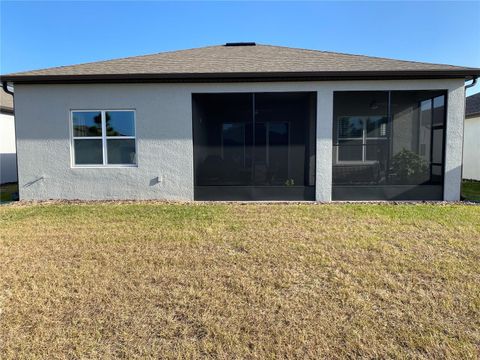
(7, 191)
(471, 190)
(146, 280)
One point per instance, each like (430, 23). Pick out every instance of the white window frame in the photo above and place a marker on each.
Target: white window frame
(363, 138)
(104, 139)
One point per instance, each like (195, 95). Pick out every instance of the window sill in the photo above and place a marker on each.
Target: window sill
(103, 166)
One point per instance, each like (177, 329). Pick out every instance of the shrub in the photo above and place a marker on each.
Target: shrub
(409, 167)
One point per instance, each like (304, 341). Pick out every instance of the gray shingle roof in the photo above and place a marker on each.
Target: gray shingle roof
(473, 105)
(241, 61)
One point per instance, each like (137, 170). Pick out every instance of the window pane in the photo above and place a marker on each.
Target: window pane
(121, 151)
(351, 169)
(350, 127)
(87, 123)
(350, 150)
(437, 153)
(426, 113)
(377, 150)
(88, 152)
(120, 123)
(439, 110)
(377, 126)
(425, 128)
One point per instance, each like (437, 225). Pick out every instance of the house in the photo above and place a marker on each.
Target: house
(471, 145)
(241, 121)
(8, 157)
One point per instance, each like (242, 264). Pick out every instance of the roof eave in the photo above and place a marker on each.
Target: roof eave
(6, 110)
(472, 115)
(244, 76)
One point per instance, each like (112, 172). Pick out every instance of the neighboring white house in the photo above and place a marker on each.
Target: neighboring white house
(242, 121)
(8, 157)
(471, 145)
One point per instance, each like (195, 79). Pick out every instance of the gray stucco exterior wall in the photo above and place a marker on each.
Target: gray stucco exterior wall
(454, 144)
(164, 136)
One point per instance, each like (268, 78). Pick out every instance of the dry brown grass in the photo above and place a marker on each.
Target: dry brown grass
(152, 280)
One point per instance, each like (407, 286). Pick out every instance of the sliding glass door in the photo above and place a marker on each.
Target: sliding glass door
(254, 146)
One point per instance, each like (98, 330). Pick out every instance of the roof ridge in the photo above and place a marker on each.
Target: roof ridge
(363, 56)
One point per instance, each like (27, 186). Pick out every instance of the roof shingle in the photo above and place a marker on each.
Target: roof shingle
(240, 60)
(473, 105)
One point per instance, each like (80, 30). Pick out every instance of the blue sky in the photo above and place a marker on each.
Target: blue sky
(42, 34)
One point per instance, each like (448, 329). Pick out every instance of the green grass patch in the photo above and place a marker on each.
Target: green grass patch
(7, 192)
(471, 190)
